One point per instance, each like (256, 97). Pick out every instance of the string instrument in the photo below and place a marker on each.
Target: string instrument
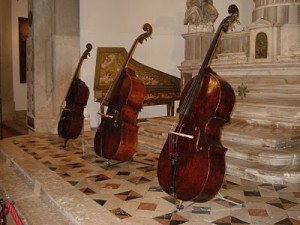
(191, 165)
(71, 120)
(116, 136)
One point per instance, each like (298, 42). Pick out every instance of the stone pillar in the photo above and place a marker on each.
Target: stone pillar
(6, 75)
(53, 54)
(196, 47)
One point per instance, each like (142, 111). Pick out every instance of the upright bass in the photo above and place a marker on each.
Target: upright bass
(116, 136)
(71, 120)
(191, 165)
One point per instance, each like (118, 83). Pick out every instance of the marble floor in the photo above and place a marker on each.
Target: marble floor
(130, 191)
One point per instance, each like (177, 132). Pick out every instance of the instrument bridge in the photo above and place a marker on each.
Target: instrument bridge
(182, 134)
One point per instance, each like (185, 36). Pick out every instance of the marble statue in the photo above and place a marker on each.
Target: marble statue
(200, 15)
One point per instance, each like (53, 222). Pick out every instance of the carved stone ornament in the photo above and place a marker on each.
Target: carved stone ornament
(200, 15)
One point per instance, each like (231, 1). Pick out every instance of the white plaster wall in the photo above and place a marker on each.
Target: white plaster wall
(117, 23)
(19, 9)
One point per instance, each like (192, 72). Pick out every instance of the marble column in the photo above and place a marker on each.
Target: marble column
(6, 77)
(53, 54)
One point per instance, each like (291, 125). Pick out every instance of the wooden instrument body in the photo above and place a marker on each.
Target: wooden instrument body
(116, 138)
(191, 165)
(200, 165)
(71, 121)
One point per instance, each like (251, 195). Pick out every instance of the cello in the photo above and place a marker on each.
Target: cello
(116, 136)
(191, 165)
(71, 120)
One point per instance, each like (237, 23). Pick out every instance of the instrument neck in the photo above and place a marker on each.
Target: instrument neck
(185, 109)
(76, 74)
(130, 54)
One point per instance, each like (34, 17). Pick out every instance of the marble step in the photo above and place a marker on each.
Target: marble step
(154, 130)
(258, 153)
(271, 113)
(265, 147)
(150, 142)
(282, 151)
(262, 173)
(236, 131)
(44, 197)
(241, 132)
(263, 155)
(31, 209)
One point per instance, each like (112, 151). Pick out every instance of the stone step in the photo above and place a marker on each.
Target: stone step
(155, 131)
(275, 102)
(148, 142)
(271, 113)
(263, 155)
(53, 200)
(31, 209)
(271, 152)
(236, 131)
(164, 121)
(266, 150)
(262, 173)
(241, 132)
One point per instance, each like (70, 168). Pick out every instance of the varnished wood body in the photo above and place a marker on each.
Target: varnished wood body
(71, 120)
(116, 138)
(200, 165)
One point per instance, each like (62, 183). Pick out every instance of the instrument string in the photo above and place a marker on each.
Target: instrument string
(196, 84)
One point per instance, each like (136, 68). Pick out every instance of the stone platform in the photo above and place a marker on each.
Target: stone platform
(51, 185)
(255, 152)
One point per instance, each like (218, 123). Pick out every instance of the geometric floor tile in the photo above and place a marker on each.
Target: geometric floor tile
(64, 174)
(73, 183)
(99, 177)
(87, 191)
(155, 189)
(252, 193)
(229, 220)
(170, 199)
(138, 180)
(279, 187)
(296, 194)
(170, 218)
(147, 206)
(228, 201)
(201, 210)
(229, 185)
(281, 203)
(288, 221)
(110, 185)
(258, 212)
(123, 173)
(120, 213)
(128, 195)
(275, 187)
(100, 202)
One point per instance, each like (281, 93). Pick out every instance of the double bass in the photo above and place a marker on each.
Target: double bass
(116, 136)
(71, 119)
(191, 165)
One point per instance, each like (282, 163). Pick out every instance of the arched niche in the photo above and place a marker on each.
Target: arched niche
(261, 46)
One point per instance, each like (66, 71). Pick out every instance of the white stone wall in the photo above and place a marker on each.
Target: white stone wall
(117, 23)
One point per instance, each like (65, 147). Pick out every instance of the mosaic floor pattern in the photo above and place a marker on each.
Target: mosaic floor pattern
(131, 189)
